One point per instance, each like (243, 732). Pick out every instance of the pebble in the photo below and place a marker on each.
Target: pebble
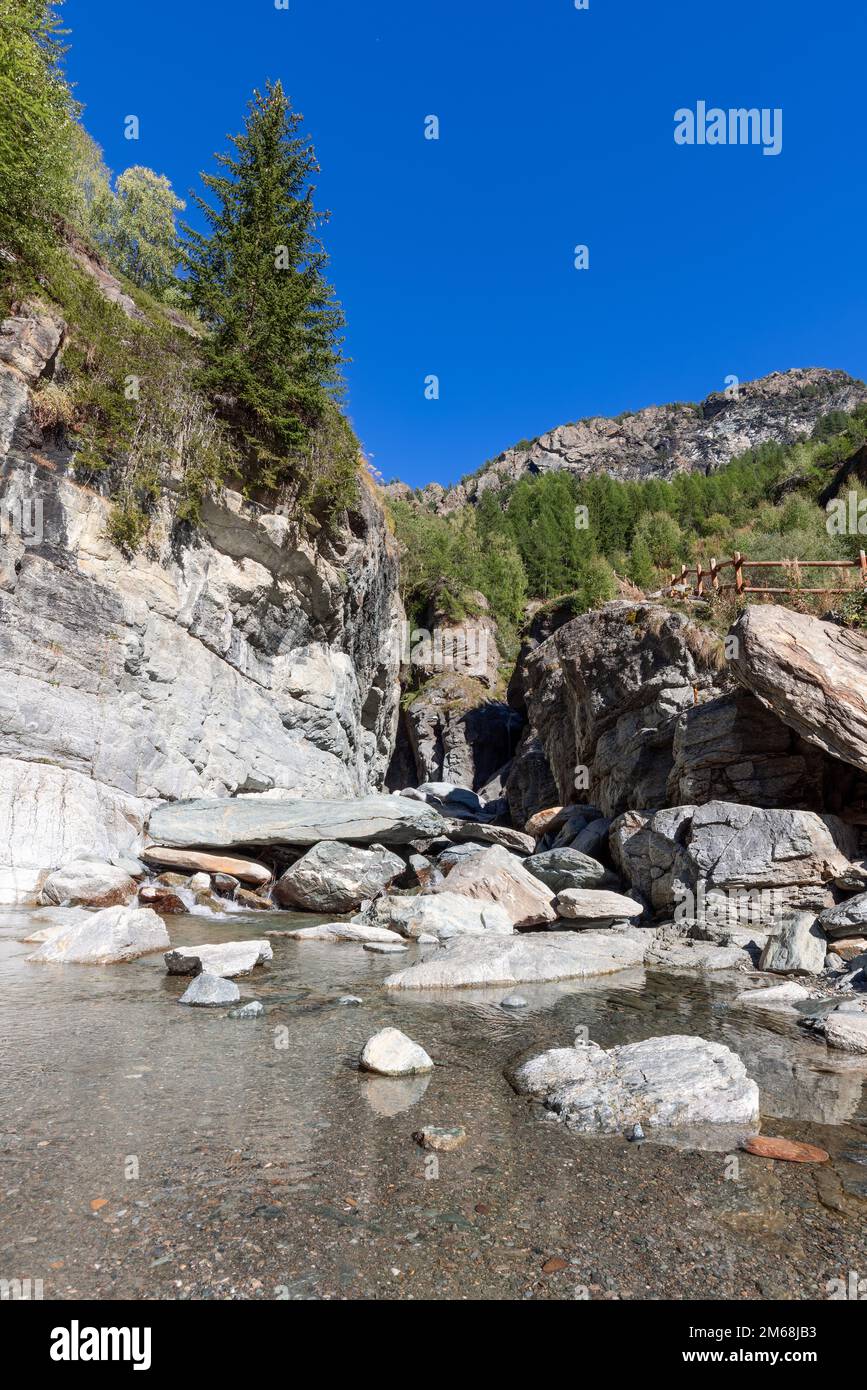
(443, 1140)
(513, 1001)
(252, 1009)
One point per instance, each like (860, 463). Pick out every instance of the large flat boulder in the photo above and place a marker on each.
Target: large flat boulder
(565, 868)
(106, 938)
(812, 674)
(226, 958)
(332, 877)
(480, 834)
(672, 1082)
(521, 959)
(595, 907)
(197, 861)
(343, 931)
(494, 875)
(266, 820)
(846, 919)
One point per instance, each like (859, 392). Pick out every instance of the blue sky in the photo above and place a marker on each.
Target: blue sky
(455, 257)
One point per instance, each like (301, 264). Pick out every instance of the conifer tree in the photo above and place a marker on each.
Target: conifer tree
(257, 278)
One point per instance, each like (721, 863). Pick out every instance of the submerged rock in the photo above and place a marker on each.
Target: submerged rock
(778, 998)
(392, 1053)
(332, 877)
(520, 959)
(209, 991)
(672, 1082)
(226, 959)
(108, 937)
(253, 1009)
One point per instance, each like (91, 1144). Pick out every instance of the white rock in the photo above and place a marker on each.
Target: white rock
(226, 958)
(385, 948)
(847, 1032)
(333, 877)
(200, 883)
(208, 991)
(799, 949)
(115, 934)
(343, 931)
(672, 1082)
(392, 1053)
(520, 959)
(779, 998)
(499, 877)
(596, 907)
(454, 914)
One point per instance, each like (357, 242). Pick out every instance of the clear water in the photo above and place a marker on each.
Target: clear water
(111, 1092)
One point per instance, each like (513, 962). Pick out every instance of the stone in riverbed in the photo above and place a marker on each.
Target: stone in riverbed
(246, 870)
(225, 959)
(799, 949)
(392, 1053)
(209, 991)
(333, 877)
(846, 919)
(672, 1082)
(695, 955)
(162, 899)
(253, 1009)
(847, 1032)
(778, 998)
(447, 914)
(559, 869)
(495, 875)
(521, 959)
(91, 883)
(260, 819)
(513, 1001)
(386, 948)
(114, 935)
(441, 1140)
(343, 931)
(596, 908)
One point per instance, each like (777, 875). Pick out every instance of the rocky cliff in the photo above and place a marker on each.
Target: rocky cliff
(662, 441)
(235, 657)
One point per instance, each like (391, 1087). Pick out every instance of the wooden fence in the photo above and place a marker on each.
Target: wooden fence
(709, 578)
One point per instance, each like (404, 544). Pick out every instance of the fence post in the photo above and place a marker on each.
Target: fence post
(714, 574)
(863, 559)
(699, 577)
(739, 573)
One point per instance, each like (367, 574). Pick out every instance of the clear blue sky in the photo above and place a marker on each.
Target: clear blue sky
(456, 257)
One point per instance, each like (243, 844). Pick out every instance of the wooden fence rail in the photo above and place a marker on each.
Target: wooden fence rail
(742, 585)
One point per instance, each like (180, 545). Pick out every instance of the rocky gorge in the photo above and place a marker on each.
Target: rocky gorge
(207, 734)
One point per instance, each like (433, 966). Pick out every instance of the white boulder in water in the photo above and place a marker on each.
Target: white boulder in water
(105, 938)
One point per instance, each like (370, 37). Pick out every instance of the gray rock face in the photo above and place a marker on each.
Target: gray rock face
(497, 876)
(457, 733)
(521, 959)
(604, 694)
(728, 850)
(210, 991)
(663, 441)
(530, 786)
(332, 877)
(846, 919)
(392, 1053)
(595, 907)
(89, 883)
(565, 868)
(266, 820)
(799, 948)
(242, 658)
(670, 1082)
(812, 674)
(227, 959)
(105, 938)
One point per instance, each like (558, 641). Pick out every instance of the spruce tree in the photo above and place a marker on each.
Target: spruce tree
(257, 278)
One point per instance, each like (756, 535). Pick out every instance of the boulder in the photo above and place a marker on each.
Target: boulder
(670, 1082)
(89, 883)
(727, 851)
(226, 959)
(810, 673)
(392, 1053)
(210, 991)
(260, 819)
(776, 998)
(538, 824)
(252, 1009)
(105, 938)
(521, 959)
(445, 914)
(854, 878)
(592, 907)
(490, 835)
(565, 868)
(846, 919)
(799, 948)
(342, 931)
(847, 1032)
(162, 899)
(702, 956)
(332, 877)
(194, 861)
(497, 876)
